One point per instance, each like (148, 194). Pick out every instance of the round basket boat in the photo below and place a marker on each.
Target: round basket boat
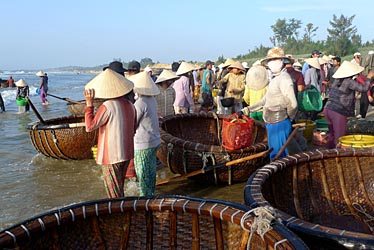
(326, 197)
(191, 142)
(63, 138)
(173, 222)
(78, 108)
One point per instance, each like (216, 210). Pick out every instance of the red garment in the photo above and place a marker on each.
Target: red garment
(297, 78)
(361, 79)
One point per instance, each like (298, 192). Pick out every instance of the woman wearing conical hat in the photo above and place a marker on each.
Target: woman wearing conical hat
(147, 135)
(166, 97)
(183, 97)
(235, 84)
(341, 102)
(279, 103)
(43, 86)
(116, 121)
(257, 82)
(23, 91)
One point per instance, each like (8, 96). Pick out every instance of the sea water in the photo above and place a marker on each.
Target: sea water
(31, 184)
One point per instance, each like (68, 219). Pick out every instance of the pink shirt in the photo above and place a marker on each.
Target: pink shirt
(116, 121)
(183, 96)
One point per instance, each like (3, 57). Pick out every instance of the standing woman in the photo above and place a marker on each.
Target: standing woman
(43, 87)
(183, 97)
(279, 103)
(341, 102)
(235, 84)
(166, 97)
(116, 121)
(313, 77)
(147, 135)
(23, 91)
(257, 82)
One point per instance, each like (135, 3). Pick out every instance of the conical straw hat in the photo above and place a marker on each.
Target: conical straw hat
(348, 69)
(237, 65)
(40, 73)
(184, 68)
(314, 62)
(21, 83)
(326, 58)
(166, 75)
(257, 77)
(109, 84)
(144, 85)
(228, 62)
(322, 61)
(297, 64)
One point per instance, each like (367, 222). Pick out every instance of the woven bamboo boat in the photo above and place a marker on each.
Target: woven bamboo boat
(147, 223)
(63, 138)
(78, 108)
(325, 196)
(191, 142)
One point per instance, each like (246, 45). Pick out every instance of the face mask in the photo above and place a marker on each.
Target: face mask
(275, 66)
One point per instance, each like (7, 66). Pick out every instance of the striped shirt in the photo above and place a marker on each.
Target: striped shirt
(116, 121)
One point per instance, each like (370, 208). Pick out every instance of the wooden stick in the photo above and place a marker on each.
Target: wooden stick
(296, 128)
(204, 170)
(62, 98)
(35, 110)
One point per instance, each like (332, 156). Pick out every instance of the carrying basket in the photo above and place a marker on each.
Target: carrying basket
(21, 101)
(324, 196)
(190, 142)
(165, 222)
(237, 132)
(309, 100)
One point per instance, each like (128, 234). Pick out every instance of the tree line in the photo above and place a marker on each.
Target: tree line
(342, 39)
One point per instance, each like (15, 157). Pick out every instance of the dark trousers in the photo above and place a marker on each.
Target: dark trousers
(364, 104)
(2, 106)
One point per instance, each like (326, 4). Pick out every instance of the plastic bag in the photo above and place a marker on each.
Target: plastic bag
(237, 132)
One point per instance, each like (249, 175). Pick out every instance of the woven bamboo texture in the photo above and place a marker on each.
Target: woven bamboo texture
(190, 142)
(62, 138)
(78, 108)
(325, 196)
(147, 223)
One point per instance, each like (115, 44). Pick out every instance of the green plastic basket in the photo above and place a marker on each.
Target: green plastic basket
(21, 101)
(309, 100)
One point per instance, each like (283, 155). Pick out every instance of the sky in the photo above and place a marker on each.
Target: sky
(42, 34)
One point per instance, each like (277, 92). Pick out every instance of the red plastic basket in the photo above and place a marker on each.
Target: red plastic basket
(237, 133)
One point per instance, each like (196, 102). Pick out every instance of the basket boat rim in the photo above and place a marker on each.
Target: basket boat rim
(224, 210)
(37, 125)
(254, 197)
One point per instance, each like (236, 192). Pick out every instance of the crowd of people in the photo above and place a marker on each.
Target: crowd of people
(268, 91)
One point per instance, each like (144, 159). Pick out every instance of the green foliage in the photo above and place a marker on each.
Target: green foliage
(341, 36)
(342, 39)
